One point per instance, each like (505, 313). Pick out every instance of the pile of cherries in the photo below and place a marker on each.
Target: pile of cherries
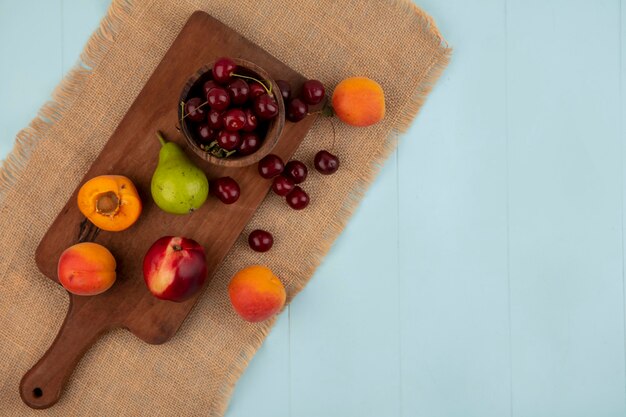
(234, 123)
(286, 179)
(297, 108)
(232, 117)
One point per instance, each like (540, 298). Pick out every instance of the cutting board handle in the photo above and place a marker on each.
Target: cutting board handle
(42, 385)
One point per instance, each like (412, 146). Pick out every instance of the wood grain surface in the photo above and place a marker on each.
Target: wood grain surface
(133, 151)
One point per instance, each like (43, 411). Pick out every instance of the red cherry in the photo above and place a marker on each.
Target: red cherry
(282, 185)
(223, 69)
(296, 171)
(270, 166)
(313, 92)
(326, 163)
(260, 240)
(265, 107)
(238, 91)
(228, 140)
(297, 110)
(250, 143)
(251, 121)
(218, 98)
(297, 199)
(226, 189)
(285, 89)
(256, 89)
(234, 120)
(215, 119)
(205, 133)
(193, 111)
(208, 86)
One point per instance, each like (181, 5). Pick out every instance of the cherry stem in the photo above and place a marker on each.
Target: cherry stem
(182, 105)
(332, 124)
(325, 110)
(269, 90)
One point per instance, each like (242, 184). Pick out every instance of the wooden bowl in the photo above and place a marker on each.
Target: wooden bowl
(193, 88)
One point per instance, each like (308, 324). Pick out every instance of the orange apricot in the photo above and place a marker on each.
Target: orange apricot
(256, 293)
(359, 101)
(86, 269)
(110, 202)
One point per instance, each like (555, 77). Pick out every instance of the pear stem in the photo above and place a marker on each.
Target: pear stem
(161, 138)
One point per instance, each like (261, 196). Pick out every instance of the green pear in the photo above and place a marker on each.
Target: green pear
(178, 186)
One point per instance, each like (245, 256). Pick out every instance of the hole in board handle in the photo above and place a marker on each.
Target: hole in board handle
(37, 392)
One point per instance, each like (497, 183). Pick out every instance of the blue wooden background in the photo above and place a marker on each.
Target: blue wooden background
(495, 286)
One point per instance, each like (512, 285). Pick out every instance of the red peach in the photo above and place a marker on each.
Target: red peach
(175, 268)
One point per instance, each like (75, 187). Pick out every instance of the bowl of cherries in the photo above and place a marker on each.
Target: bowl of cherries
(231, 112)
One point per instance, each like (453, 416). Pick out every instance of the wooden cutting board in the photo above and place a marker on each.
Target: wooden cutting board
(133, 151)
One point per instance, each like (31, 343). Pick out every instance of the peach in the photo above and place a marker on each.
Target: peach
(359, 101)
(86, 269)
(256, 293)
(175, 268)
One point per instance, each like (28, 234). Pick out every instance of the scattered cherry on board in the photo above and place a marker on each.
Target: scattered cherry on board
(226, 189)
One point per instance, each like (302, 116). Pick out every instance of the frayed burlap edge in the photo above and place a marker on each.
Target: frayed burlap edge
(97, 47)
(400, 125)
(64, 94)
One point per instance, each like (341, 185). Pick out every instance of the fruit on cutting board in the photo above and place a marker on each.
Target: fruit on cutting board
(313, 92)
(195, 110)
(240, 109)
(226, 189)
(174, 268)
(250, 143)
(285, 89)
(282, 185)
(256, 293)
(270, 166)
(110, 202)
(86, 269)
(297, 110)
(178, 186)
(359, 101)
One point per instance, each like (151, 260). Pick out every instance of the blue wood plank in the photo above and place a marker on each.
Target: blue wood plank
(622, 86)
(453, 269)
(263, 390)
(344, 324)
(565, 208)
(30, 67)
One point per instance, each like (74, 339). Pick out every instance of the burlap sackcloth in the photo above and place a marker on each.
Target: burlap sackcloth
(390, 41)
